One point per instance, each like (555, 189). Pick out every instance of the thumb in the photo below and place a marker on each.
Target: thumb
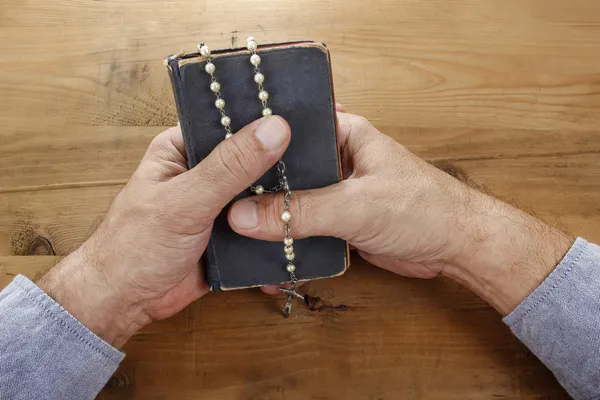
(236, 163)
(330, 211)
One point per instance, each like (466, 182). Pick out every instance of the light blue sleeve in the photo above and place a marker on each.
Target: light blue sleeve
(560, 321)
(45, 353)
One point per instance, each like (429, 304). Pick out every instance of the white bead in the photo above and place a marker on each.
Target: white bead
(210, 68)
(286, 216)
(290, 267)
(225, 121)
(267, 111)
(263, 95)
(250, 39)
(255, 59)
(288, 249)
(259, 189)
(288, 241)
(220, 103)
(215, 86)
(252, 45)
(259, 78)
(228, 135)
(290, 256)
(204, 51)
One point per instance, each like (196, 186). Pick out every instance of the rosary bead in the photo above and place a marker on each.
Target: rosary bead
(290, 256)
(288, 241)
(252, 45)
(263, 95)
(210, 68)
(255, 59)
(290, 267)
(259, 189)
(267, 111)
(286, 216)
(220, 103)
(228, 135)
(204, 51)
(259, 78)
(250, 39)
(225, 121)
(215, 86)
(288, 249)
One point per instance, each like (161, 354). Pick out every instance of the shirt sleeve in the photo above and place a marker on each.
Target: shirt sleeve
(560, 321)
(45, 353)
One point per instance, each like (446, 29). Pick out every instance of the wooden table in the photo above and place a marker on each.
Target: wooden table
(504, 93)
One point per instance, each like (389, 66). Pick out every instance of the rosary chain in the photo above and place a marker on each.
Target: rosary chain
(215, 86)
(283, 185)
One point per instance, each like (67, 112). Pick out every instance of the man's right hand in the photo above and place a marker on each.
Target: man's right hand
(406, 216)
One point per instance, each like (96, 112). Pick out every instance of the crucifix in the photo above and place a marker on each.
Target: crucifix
(291, 294)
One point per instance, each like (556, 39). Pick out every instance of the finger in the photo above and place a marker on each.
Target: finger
(165, 156)
(362, 146)
(353, 130)
(168, 145)
(176, 139)
(236, 163)
(336, 210)
(339, 107)
(342, 130)
(353, 133)
(400, 267)
(274, 289)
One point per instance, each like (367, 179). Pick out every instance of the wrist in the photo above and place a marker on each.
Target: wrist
(505, 253)
(88, 291)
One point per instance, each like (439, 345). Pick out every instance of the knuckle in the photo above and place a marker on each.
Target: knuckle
(158, 142)
(272, 209)
(300, 212)
(237, 158)
(361, 123)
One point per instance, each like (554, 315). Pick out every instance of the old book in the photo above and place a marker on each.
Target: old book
(298, 79)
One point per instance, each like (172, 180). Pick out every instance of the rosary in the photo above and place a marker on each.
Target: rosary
(283, 185)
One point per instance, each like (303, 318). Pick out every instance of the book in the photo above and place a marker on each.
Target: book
(299, 80)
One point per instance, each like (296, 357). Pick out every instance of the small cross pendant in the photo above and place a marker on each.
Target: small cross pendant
(291, 294)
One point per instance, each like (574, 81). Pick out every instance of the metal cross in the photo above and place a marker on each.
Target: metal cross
(291, 294)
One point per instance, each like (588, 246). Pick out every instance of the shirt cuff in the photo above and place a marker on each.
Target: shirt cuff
(47, 353)
(70, 324)
(560, 321)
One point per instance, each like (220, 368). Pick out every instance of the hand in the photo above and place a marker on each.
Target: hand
(142, 264)
(406, 216)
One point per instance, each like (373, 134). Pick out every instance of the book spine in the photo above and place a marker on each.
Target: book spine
(210, 260)
(211, 263)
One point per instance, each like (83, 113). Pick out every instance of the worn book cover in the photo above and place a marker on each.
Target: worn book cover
(299, 81)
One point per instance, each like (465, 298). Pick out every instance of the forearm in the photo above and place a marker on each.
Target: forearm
(545, 285)
(80, 284)
(506, 253)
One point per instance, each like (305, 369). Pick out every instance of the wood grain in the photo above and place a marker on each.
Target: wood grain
(395, 338)
(504, 94)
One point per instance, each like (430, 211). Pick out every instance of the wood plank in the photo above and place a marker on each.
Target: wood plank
(466, 89)
(32, 267)
(392, 64)
(65, 217)
(560, 189)
(46, 158)
(32, 159)
(375, 347)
